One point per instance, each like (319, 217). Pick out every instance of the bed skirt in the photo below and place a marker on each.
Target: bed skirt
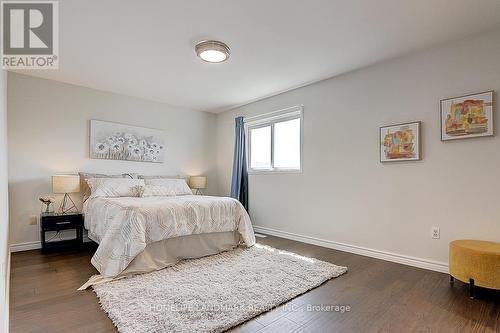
(170, 251)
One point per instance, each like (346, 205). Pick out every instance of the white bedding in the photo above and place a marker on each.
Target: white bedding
(124, 226)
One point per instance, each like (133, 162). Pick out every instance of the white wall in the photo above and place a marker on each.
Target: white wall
(48, 131)
(345, 194)
(4, 206)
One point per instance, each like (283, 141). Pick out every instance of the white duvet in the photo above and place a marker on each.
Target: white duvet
(124, 226)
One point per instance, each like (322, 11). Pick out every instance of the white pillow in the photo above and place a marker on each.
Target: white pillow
(114, 187)
(157, 191)
(176, 186)
(85, 175)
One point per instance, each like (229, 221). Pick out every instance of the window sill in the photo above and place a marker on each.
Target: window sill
(275, 171)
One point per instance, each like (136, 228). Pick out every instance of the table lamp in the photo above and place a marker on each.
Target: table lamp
(65, 184)
(198, 183)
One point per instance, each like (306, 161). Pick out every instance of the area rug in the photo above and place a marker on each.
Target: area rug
(211, 294)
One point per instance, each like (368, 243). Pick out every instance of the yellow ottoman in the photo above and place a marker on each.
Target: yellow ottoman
(475, 262)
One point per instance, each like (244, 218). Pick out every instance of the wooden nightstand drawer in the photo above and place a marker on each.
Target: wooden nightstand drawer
(61, 224)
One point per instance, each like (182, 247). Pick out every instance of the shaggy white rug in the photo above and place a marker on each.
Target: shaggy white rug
(211, 294)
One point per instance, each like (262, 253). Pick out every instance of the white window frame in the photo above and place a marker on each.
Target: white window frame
(270, 119)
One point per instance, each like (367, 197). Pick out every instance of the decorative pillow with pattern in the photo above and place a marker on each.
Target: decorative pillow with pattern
(114, 187)
(85, 175)
(176, 186)
(156, 191)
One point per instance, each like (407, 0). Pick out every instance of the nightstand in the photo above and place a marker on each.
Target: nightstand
(58, 222)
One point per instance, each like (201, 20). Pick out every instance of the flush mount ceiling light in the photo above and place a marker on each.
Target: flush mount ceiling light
(212, 51)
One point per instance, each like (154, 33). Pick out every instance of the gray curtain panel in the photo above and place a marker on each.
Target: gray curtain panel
(239, 182)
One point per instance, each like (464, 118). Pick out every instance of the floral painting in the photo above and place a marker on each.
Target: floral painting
(115, 141)
(467, 116)
(400, 142)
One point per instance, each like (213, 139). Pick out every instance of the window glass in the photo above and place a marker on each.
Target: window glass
(260, 144)
(287, 144)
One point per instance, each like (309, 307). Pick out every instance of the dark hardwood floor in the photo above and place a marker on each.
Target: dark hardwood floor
(382, 296)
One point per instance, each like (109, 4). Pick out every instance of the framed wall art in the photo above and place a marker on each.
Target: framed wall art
(400, 142)
(468, 116)
(116, 141)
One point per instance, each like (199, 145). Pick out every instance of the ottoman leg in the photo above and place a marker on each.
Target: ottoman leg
(452, 280)
(471, 289)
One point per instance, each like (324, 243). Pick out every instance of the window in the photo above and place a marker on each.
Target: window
(274, 141)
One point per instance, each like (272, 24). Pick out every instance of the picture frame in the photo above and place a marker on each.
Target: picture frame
(400, 142)
(116, 141)
(467, 116)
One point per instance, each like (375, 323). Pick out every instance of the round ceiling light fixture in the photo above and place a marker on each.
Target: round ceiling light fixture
(212, 51)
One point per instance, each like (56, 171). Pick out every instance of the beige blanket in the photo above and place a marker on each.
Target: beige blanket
(124, 226)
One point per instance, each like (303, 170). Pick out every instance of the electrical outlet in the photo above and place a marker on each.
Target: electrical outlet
(33, 220)
(435, 233)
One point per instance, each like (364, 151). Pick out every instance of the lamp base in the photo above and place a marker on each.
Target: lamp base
(198, 192)
(67, 205)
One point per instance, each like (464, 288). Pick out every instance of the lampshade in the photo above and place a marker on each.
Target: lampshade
(198, 182)
(66, 184)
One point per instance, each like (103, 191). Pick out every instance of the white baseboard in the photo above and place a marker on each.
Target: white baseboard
(388, 256)
(25, 246)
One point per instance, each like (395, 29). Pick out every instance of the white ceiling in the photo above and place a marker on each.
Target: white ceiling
(146, 48)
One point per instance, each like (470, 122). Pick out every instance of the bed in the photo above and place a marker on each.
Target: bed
(143, 234)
